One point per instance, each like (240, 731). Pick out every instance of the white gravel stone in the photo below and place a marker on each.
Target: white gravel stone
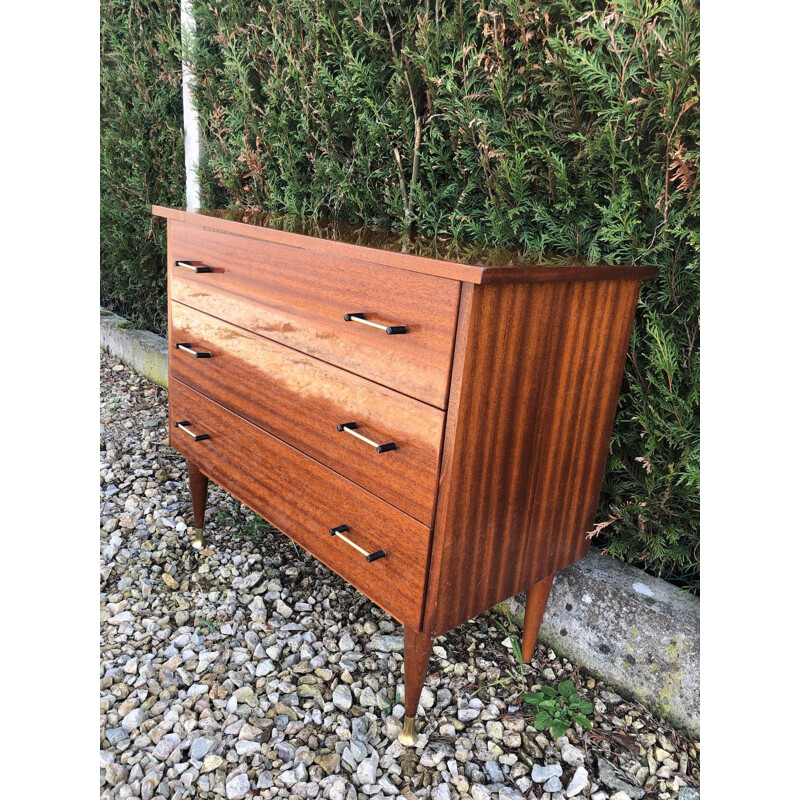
(342, 697)
(540, 773)
(237, 787)
(133, 720)
(579, 782)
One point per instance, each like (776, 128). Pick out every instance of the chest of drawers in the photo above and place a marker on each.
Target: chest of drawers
(430, 421)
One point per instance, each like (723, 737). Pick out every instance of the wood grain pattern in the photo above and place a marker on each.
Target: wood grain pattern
(537, 371)
(535, 604)
(301, 400)
(198, 487)
(305, 499)
(457, 261)
(416, 654)
(299, 299)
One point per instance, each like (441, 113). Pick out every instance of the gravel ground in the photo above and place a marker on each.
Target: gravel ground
(251, 671)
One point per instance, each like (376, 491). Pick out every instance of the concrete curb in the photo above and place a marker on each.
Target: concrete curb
(637, 633)
(145, 352)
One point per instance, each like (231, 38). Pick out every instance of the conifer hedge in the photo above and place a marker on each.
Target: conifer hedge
(141, 152)
(568, 127)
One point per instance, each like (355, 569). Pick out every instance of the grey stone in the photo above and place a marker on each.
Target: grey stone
(285, 751)
(480, 792)
(493, 772)
(200, 748)
(237, 787)
(441, 792)
(339, 789)
(637, 633)
(608, 777)
(553, 785)
(580, 780)
(133, 719)
(386, 644)
(540, 774)
(572, 755)
(342, 697)
(688, 793)
(115, 774)
(247, 748)
(367, 771)
(116, 735)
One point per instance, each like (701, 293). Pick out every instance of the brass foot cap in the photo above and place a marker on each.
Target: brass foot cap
(408, 736)
(199, 541)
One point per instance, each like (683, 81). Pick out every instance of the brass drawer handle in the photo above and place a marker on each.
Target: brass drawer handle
(350, 427)
(193, 267)
(187, 348)
(184, 426)
(359, 317)
(339, 531)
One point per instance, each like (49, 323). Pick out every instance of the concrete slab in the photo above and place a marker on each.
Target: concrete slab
(144, 351)
(638, 633)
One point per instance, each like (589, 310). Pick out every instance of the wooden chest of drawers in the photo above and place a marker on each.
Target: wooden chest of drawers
(439, 469)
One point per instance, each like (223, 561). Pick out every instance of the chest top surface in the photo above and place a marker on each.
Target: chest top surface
(442, 256)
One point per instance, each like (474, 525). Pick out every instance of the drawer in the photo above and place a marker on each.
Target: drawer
(302, 401)
(305, 500)
(300, 298)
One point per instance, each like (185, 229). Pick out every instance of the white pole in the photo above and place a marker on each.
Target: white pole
(191, 124)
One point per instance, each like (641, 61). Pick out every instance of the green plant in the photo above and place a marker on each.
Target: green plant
(516, 647)
(208, 624)
(141, 153)
(559, 709)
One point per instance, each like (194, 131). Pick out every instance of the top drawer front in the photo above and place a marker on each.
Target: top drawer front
(299, 298)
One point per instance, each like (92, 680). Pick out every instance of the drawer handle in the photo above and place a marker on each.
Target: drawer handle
(187, 348)
(193, 267)
(350, 427)
(184, 426)
(388, 328)
(339, 531)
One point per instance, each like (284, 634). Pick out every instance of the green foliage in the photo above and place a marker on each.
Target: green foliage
(244, 524)
(569, 127)
(141, 152)
(559, 709)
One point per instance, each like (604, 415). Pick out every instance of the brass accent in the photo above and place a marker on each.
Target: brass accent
(351, 543)
(188, 349)
(339, 531)
(199, 541)
(408, 736)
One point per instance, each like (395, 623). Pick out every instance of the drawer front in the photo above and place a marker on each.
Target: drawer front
(300, 298)
(305, 500)
(303, 401)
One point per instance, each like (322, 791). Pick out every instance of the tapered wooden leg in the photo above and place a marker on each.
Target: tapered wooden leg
(416, 652)
(535, 604)
(198, 486)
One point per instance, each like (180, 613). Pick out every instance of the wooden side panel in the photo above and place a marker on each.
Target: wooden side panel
(305, 500)
(536, 376)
